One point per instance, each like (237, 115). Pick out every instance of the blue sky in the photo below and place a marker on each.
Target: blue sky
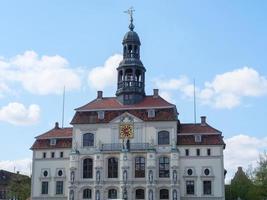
(48, 44)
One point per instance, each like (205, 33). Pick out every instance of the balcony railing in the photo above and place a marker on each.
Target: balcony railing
(119, 147)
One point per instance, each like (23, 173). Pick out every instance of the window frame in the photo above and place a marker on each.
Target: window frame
(208, 152)
(140, 196)
(59, 187)
(90, 141)
(165, 171)
(87, 193)
(162, 138)
(209, 191)
(45, 188)
(139, 167)
(162, 195)
(198, 152)
(114, 168)
(187, 152)
(88, 172)
(190, 187)
(110, 194)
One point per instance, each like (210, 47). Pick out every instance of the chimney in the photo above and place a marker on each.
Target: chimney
(56, 125)
(155, 93)
(99, 94)
(203, 121)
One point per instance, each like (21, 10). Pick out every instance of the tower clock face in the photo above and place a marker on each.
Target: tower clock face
(126, 131)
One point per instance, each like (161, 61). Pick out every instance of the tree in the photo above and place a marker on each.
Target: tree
(240, 185)
(261, 175)
(19, 187)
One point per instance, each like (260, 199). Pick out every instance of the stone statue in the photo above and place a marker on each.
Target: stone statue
(150, 195)
(150, 177)
(174, 195)
(174, 176)
(97, 195)
(125, 176)
(98, 176)
(71, 195)
(72, 176)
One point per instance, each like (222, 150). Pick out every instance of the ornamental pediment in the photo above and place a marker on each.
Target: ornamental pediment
(126, 118)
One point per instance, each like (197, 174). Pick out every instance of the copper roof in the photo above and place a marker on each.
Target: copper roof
(111, 103)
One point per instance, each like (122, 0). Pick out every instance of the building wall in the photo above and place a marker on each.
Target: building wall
(52, 165)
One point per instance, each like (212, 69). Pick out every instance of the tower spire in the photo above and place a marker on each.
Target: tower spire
(130, 13)
(131, 71)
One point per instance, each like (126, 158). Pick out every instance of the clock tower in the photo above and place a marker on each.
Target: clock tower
(131, 72)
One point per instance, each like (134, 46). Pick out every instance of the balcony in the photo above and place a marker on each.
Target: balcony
(119, 147)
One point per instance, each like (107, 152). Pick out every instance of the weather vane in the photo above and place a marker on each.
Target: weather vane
(130, 13)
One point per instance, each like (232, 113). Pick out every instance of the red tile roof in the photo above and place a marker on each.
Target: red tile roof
(215, 139)
(197, 128)
(45, 144)
(111, 103)
(90, 117)
(56, 133)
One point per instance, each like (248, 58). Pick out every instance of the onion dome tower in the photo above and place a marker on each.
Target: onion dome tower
(131, 72)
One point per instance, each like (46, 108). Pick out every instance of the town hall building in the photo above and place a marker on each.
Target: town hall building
(131, 146)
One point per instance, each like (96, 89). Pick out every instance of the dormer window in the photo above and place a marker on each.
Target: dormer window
(151, 113)
(198, 138)
(101, 114)
(53, 141)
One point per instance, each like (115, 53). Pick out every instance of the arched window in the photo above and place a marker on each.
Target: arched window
(163, 137)
(88, 168)
(87, 194)
(139, 167)
(164, 167)
(88, 139)
(112, 194)
(164, 194)
(140, 194)
(112, 168)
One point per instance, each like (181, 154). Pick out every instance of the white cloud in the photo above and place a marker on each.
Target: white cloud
(22, 165)
(226, 90)
(106, 75)
(39, 75)
(167, 96)
(17, 114)
(242, 150)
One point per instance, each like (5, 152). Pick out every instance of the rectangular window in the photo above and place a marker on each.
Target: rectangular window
(44, 154)
(52, 154)
(61, 154)
(198, 152)
(163, 138)
(101, 114)
(198, 138)
(190, 187)
(59, 187)
(151, 113)
(207, 187)
(208, 152)
(53, 141)
(44, 187)
(187, 152)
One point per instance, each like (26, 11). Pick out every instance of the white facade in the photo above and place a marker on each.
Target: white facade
(107, 144)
